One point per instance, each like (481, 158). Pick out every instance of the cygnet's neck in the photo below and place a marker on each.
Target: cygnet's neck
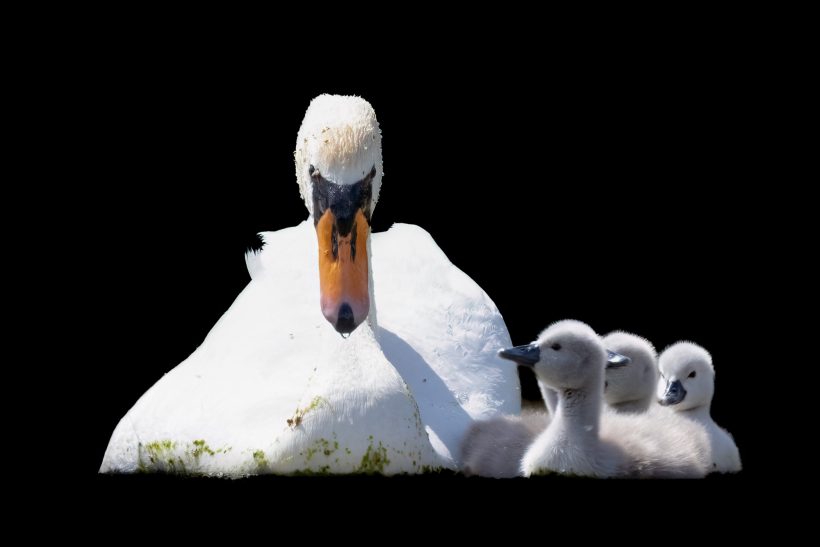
(702, 413)
(550, 397)
(578, 414)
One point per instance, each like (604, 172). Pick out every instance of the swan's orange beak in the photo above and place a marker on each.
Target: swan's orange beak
(341, 214)
(343, 278)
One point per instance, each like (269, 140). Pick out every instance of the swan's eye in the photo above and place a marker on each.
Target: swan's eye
(692, 374)
(311, 170)
(556, 347)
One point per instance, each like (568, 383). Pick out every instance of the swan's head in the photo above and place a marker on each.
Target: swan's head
(567, 355)
(339, 170)
(687, 376)
(637, 380)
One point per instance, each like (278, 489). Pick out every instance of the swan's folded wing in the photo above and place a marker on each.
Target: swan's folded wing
(442, 332)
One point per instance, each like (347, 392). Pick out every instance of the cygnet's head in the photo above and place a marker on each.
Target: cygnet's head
(339, 170)
(636, 381)
(687, 376)
(568, 355)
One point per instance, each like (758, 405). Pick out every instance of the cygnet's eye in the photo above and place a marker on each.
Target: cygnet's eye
(692, 374)
(311, 170)
(556, 346)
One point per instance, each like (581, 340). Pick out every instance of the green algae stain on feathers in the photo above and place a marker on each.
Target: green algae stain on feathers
(374, 459)
(158, 452)
(321, 446)
(168, 456)
(300, 413)
(201, 447)
(261, 461)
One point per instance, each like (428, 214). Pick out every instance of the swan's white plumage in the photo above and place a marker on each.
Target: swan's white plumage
(429, 306)
(272, 358)
(274, 388)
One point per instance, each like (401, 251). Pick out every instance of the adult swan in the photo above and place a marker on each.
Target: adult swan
(274, 388)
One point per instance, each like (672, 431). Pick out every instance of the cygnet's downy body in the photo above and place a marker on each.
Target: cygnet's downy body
(570, 358)
(494, 448)
(686, 385)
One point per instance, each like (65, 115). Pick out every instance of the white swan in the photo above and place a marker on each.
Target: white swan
(631, 388)
(570, 358)
(274, 388)
(687, 385)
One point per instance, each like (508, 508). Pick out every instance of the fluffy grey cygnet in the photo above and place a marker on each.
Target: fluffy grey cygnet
(687, 384)
(493, 448)
(631, 388)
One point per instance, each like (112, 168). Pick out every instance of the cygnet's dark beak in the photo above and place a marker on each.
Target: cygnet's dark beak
(616, 360)
(675, 393)
(523, 355)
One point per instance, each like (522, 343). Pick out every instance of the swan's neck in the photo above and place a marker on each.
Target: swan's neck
(371, 316)
(578, 414)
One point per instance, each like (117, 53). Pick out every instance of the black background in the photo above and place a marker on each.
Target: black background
(602, 190)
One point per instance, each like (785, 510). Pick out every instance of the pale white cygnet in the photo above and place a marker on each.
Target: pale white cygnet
(494, 447)
(631, 387)
(686, 385)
